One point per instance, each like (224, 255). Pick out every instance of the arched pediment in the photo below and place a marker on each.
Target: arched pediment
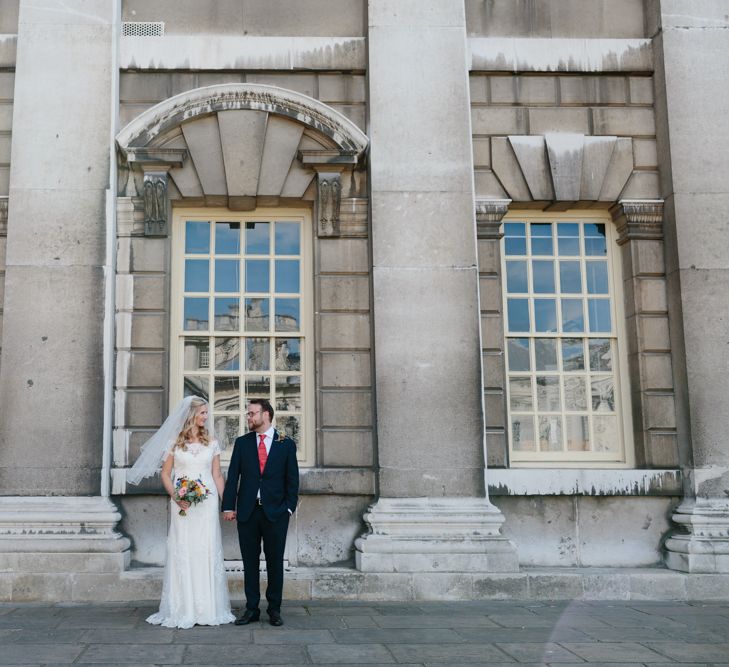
(237, 145)
(157, 121)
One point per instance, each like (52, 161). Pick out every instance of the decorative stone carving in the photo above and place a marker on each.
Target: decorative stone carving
(639, 219)
(329, 188)
(489, 213)
(3, 216)
(155, 203)
(704, 547)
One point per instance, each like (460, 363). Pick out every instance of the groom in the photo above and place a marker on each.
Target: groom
(261, 493)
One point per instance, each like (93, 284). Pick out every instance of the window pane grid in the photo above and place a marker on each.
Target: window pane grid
(241, 335)
(559, 321)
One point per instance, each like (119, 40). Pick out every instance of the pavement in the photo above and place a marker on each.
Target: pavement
(493, 633)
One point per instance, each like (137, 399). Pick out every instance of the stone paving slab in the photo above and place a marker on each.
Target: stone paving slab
(422, 634)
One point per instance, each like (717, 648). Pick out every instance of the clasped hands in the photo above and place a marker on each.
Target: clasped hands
(229, 515)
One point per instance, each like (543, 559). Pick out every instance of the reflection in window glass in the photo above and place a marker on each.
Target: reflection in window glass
(290, 425)
(516, 277)
(599, 310)
(257, 354)
(515, 238)
(603, 394)
(600, 355)
(258, 386)
(257, 238)
(543, 277)
(287, 275)
(520, 394)
(227, 238)
(575, 394)
(227, 429)
(227, 314)
(606, 434)
(545, 315)
(572, 318)
(197, 275)
(550, 433)
(595, 242)
(545, 352)
(196, 355)
(197, 237)
(227, 354)
(568, 239)
(288, 356)
(548, 393)
(196, 385)
(257, 276)
(573, 354)
(257, 314)
(227, 393)
(570, 278)
(541, 238)
(522, 434)
(287, 314)
(518, 314)
(195, 314)
(287, 238)
(518, 350)
(226, 275)
(597, 277)
(288, 393)
(577, 433)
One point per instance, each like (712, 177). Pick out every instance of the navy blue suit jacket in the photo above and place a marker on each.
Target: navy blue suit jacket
(279, 482)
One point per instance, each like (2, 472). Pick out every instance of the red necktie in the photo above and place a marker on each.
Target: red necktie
(262, 455)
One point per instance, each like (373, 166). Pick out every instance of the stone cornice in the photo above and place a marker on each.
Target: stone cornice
(489, 213)
(155, 122)
(639, 219)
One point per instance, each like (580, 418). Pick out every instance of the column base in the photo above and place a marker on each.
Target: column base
(434, 535)
(704, 549)
(61, 534)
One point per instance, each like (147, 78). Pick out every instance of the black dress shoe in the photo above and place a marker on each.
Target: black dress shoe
(274, 618)
(249, 616)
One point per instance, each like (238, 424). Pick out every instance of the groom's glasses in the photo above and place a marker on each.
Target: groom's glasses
(252, 414)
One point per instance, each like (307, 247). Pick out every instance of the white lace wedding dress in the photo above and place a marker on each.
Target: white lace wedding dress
(195, 588)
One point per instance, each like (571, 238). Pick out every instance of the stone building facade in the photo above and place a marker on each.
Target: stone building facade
(471, 249)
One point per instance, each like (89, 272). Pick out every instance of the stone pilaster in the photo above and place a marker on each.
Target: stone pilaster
(639, 224)
(489, 231)
(425, 286)
(691, 59)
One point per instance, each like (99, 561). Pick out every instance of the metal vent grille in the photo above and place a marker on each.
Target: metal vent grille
(143, 29)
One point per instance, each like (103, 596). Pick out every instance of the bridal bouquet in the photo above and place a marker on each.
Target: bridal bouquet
(190, 490)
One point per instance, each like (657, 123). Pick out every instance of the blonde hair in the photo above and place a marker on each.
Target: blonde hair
(190, 432)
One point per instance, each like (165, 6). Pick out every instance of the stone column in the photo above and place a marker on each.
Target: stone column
(433, 510)
(692, 59)
(51, 379)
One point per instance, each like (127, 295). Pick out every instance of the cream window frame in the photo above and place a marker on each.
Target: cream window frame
(307, 430)
(625, 456)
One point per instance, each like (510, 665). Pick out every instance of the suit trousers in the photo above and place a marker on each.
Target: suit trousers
(258, 528)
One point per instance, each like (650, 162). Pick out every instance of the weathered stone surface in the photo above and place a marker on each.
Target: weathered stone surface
(531, 153)
(641, 90)
(507, 168)
(346, 447)
(344, 330)
(343, 255)
(592, 90)
(624, 121)
(344, 292)
(545, 120)
(345, 369)
(346, 408)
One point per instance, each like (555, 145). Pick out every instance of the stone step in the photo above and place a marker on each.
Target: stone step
(340, 583)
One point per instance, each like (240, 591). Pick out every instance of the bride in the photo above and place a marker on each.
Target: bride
(195, 588)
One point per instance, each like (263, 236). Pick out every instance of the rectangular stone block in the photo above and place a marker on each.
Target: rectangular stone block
(607, 586)
(661, 449)
(128, 112)
(6, 116)
(5, 148)
(301, 83)
(141, 369)
(141, 408)
(650, 295)
(592, 90)
(489, 256)
(496, 449)
(665, 585)
(487, 185)
(493, 370)
(478, 86)
(499, 120)
(647, 258)
(344, 292)
(503, 89)
(343, 88)
(653, 333)
(144, 87)
(345, 369)
(495, 409)
(147, 255)
(500, 587)
(641, 89)
(567, 586)
(492, 332)
(655, 371)
(346, 448)
(624, 121)
(490, 293)
(442, 586)
(148, 330)
(145, 519)
(344, 255)
(215, 78)
(542, 120)
(344, 330)
(659, 410)
(346, 408)
(481, 152)
(645, 154)
(536, 90)
(150, 292)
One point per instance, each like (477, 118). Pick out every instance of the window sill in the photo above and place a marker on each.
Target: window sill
(583, 482)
